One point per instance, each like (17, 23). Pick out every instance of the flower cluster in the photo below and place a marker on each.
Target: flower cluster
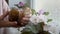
(20, 4)
(40, 16)
(37, 19)
(37, 22)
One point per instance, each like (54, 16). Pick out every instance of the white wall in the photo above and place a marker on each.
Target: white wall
(53, 6)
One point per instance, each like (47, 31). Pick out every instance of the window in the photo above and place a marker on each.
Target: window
(36, 4)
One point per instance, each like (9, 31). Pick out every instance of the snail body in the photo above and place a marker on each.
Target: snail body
(17, 15)
(13, 15)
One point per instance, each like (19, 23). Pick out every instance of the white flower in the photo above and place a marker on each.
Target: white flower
(37, 19)
(43, 18)
(34, 19)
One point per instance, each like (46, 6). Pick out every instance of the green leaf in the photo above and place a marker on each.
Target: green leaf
(40, 26)
(33, 12)
(27, 32)
(26, 4)
(49, 20)
(31, 28)
(46, 13)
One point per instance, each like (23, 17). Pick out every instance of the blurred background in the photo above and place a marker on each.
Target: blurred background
(52, 6)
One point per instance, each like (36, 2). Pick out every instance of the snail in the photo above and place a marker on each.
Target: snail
(15, 15)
